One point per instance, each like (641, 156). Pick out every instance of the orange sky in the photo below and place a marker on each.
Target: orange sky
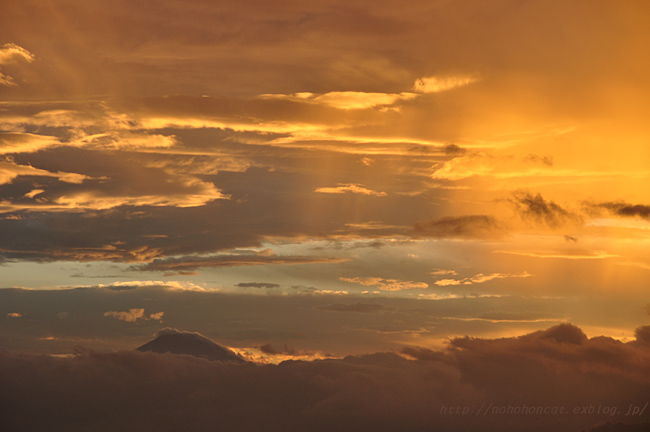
(484, 164)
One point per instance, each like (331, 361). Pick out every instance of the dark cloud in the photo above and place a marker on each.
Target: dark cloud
(542, 211)
(624, 209)
(146, 194)
(570, 238)
(106, 181)
(382, 391)
(611, 426)
(85, 276)
(564, 333)
(421, 149)
(229, 260)
(453, 149)
(269, 349)
(642, 335)
(121, 287)
(248, 320)
(227, 46)
(182, 273)
(257, 285)
(354, 307)
(470, 226)
(534, 158)
(421, 353)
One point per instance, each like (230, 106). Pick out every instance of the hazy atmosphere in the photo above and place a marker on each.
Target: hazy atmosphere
(418, 215)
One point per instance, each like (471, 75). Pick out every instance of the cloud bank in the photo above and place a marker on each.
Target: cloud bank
(513, 381)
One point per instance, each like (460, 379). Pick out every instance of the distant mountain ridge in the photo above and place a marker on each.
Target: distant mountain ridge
(174, 341)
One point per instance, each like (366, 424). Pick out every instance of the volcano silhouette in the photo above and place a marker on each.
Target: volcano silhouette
(173, 341)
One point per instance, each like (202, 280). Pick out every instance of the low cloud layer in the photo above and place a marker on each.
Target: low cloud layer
(553, 380)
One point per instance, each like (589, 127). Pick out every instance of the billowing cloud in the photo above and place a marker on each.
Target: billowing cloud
(558, 371)
(447, 282)
(327, 292)
(10, 53)
(156, 316)
(642, 335)
(133, 315)
(463, 227)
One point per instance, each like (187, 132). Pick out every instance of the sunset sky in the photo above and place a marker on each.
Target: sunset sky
(322, 177)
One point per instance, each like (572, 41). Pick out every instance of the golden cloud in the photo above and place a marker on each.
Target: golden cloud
(133, 315)
(435, 84)
(10, 53)
(386, 284)
(346, 99)
(349, 187)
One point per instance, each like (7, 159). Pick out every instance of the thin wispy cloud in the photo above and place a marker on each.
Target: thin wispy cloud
(352, 188)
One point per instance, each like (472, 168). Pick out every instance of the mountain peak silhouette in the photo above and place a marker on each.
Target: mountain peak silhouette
(169, 340)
